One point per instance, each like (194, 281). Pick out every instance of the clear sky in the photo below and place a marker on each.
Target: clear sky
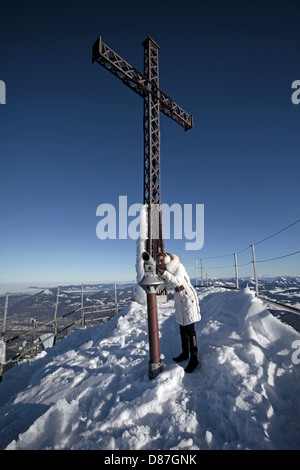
(71, 134)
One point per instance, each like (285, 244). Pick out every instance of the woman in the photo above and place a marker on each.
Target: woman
(187, 310)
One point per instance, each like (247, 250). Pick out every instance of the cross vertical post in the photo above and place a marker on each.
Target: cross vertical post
(152, 182)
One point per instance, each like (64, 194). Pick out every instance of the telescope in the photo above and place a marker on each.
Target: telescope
(150, 282)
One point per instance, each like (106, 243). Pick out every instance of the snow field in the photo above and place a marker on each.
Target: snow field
(91, 391)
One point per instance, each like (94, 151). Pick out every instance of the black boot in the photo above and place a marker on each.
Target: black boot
(184, 344)
(192, 337)
(181, 357)
(193, 362)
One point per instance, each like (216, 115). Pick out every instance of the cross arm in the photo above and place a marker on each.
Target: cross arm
(139, 83)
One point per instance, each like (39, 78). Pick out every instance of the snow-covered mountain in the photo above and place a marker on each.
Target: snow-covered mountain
(91, 390)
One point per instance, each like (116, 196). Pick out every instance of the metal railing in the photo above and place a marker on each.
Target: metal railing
(46, 334)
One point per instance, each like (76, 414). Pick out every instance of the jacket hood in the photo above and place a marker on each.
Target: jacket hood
(172, 261)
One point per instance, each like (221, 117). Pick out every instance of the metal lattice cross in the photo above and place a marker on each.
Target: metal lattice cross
(155, 101)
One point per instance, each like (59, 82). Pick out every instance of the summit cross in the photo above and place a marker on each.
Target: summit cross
(146, 85)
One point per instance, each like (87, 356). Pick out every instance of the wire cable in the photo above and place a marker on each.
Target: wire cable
(215, 257)
(260, 241)
(276, 233)
(278, 257)
(219, 267)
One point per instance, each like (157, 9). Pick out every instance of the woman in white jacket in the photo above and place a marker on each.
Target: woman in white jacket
(187, 310)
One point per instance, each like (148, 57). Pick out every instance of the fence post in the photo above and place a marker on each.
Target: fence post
(236, 271)
(201, 273)
(5, 315)
(2, 342)
(116, 300)
(82, 309)
(254, 268)
(55, 314)
(32, 353)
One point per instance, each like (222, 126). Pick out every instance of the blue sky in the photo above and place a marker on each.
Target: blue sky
(71, 135)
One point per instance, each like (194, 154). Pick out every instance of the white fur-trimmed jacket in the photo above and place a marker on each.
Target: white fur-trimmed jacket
(187, 308)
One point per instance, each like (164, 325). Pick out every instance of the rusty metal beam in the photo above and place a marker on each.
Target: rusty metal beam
(138, 82)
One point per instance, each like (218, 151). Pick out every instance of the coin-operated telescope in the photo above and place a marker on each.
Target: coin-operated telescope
(151, 284)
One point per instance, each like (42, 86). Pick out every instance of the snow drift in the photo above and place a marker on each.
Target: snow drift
(91, 391)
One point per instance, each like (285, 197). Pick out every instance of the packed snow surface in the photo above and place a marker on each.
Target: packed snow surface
(92, 391)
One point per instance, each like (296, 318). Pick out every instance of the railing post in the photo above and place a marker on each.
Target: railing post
(196, 268)
(55, 314)
(116, 300)
(2, 342)
(236, 271)
(82, 309)
(254, 268)
(5, 315)
(33, 321)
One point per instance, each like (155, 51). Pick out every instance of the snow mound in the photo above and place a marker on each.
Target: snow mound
(91, 390)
